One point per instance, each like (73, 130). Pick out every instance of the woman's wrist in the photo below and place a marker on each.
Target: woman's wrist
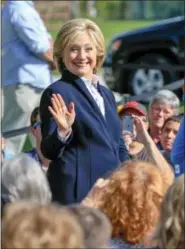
(64, 133)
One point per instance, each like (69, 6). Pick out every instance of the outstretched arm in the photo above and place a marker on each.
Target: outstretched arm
(155, 155)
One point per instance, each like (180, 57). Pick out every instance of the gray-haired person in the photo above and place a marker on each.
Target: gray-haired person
(23, 179)
(163, 105)
(95, 224)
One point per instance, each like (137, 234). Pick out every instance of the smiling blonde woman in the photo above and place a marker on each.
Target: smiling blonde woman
(80, 127)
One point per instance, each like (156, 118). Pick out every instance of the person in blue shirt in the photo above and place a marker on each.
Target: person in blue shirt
(27, 60)
(177, 153)
(5, 154)
(35, 130)
(168, 135)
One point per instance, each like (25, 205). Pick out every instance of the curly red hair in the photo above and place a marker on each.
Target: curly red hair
(132, 200)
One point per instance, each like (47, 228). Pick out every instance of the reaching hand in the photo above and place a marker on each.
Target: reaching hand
(128, 139)
(140, 127)
(141, 130)
(63, 116)
(95, 195)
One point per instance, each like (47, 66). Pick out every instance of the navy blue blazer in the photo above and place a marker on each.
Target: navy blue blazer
(95, 146)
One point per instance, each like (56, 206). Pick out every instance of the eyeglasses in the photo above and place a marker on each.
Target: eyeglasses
(36, 124)
(157, 110)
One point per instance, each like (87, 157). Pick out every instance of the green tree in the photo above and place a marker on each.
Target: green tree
(111, 10)
(83, 8)
(166, 9)
(123, 8)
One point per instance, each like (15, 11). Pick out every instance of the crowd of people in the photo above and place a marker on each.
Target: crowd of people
(88, 181)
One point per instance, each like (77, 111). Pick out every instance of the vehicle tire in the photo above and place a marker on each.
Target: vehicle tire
(147, 80)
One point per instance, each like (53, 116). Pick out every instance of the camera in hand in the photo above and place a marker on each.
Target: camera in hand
(128, 124)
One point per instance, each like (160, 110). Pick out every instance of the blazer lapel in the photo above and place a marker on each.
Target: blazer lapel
(75, 80)
(82, 87)
(109, 112)
(96, 112)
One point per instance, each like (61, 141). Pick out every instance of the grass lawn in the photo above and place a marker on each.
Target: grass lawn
(109, 28)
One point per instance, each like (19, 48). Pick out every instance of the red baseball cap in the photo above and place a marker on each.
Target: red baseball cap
(141, 109)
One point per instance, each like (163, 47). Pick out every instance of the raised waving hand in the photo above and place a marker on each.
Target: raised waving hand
(64, 116)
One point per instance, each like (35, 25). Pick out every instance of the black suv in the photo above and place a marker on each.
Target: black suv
(160, 44)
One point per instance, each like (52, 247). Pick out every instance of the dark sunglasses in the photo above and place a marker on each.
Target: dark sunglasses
(36, 124)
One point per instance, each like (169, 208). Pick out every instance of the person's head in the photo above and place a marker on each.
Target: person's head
(163, 105)
(23, 179)
(169, 132)
(132, 200)
(170, 231)
(37, 226)
(96, 226)
(133, 108)
(35, 125)
(79, 47)
(35, 129)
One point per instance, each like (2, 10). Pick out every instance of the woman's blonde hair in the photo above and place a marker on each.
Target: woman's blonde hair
(67, 34)
(132, 200)
(38, 226)
(170, 232)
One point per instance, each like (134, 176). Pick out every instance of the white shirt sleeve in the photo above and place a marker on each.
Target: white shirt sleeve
(61, 138)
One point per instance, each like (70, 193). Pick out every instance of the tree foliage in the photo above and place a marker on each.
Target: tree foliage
(139, 9)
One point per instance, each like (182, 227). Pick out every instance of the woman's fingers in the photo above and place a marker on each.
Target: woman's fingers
(61, 121)
(101, 182)
(53, 113)
(62, 115)
(135, 117)
(71, 107)
(55, 106)
(57, 102)
(137, 120)
(61, 102)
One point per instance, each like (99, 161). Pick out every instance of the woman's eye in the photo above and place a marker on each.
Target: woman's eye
(88, 49)
(74, 49)
(167, 112)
